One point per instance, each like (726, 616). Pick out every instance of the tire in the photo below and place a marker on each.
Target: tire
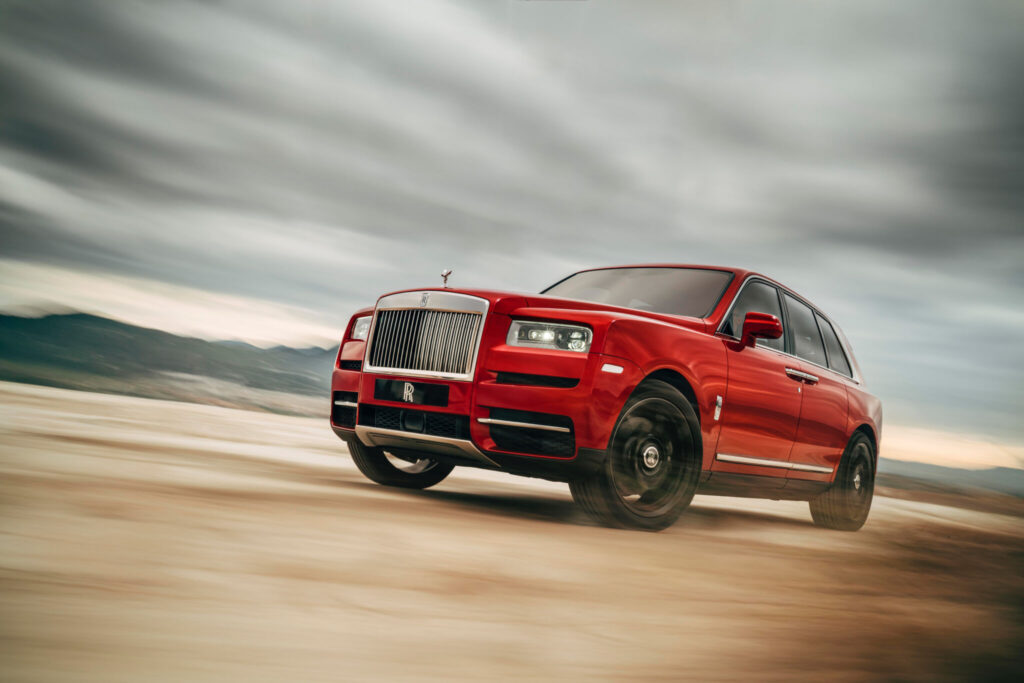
(653, 463)
(388, 470)
(846, 504)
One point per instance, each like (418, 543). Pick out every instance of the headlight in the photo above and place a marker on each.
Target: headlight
(361, 327)
(549, 336)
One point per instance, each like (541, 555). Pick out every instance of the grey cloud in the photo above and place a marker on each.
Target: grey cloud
(319, 153)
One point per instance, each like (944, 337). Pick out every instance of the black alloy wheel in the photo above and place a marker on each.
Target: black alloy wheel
(846, 504)
(653, 462)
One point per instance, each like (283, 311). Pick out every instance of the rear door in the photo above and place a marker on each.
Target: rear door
(761, 406)
(821, 434)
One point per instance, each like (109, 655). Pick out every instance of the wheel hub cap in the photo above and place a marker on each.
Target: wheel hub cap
(651, 457)
(856, 481)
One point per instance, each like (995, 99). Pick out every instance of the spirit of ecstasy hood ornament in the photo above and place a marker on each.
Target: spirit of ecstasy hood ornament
(444, 276)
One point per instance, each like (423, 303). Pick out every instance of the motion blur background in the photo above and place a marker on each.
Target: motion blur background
(196, 195)
(258, 170)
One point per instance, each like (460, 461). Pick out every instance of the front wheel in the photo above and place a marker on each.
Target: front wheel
(389, 470)
(846, 504)
(653, 463)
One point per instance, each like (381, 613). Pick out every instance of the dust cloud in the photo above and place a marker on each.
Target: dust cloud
(160, 541)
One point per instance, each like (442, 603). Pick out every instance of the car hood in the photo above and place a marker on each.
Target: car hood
(518, 303)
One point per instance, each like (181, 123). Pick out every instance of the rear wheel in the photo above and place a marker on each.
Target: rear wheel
(408, 471)
(653, 463)
(845, 506)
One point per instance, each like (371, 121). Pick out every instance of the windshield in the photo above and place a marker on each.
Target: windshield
(692, 292)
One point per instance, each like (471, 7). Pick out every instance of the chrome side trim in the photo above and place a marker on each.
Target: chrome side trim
(394, 438)
(746, 460)
(347, 404)
(811, 468)
(524, 425)
(778, 464)
(799, 374)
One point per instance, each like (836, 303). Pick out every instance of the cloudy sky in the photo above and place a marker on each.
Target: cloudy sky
(258, 170)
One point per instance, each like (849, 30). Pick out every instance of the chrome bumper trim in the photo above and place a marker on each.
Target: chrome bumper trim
(524, 425)
(383, 438)
(778, 464)
(347, 404)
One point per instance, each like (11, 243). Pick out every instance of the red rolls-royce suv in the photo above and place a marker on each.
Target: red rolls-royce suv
(638, 385)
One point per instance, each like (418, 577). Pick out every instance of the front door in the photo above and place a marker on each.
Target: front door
(761, 407)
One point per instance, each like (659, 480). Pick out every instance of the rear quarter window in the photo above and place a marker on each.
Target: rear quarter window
(837, 359)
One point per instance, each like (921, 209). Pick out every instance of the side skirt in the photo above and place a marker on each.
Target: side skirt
(754, 486)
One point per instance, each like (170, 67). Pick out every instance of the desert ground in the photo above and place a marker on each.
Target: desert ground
(145, 540)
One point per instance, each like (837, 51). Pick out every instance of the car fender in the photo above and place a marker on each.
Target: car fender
(663, 350)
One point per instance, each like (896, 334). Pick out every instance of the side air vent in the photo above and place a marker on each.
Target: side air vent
(525, 380)
(536, 440)
(343, 409)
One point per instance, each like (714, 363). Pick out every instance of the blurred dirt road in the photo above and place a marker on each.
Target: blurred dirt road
(145, 540)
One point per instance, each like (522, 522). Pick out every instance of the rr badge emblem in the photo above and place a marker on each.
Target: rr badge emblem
(425, 299)
(407, 392)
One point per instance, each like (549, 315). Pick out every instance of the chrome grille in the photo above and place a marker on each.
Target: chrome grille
(427, 341)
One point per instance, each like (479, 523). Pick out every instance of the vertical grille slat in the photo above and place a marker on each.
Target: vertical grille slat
(464, 331)
(474, 327)
(416, 322)
(402, 331)
(447, 340)
(401, 358)
(452, 342)
(434, 325)
(437, 344)
(394, 318)
(384, 348)
(425, 340)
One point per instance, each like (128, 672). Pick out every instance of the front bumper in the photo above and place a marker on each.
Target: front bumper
(572, 400)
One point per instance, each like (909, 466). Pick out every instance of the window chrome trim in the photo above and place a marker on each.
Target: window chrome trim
(778, 464)
(524, 425)
(856, 378)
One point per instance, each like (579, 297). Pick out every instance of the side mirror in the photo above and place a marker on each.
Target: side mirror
(760, 325)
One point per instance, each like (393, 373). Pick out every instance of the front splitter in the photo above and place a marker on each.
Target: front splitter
(427, 443)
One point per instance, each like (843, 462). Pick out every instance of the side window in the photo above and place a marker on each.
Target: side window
(836, 357)
(757, 297)
(806, 338)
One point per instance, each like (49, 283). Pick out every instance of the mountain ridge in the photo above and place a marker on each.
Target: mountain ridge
(93, 353)
(85, 351)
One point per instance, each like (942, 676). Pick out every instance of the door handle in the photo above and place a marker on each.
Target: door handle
(801, 376)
